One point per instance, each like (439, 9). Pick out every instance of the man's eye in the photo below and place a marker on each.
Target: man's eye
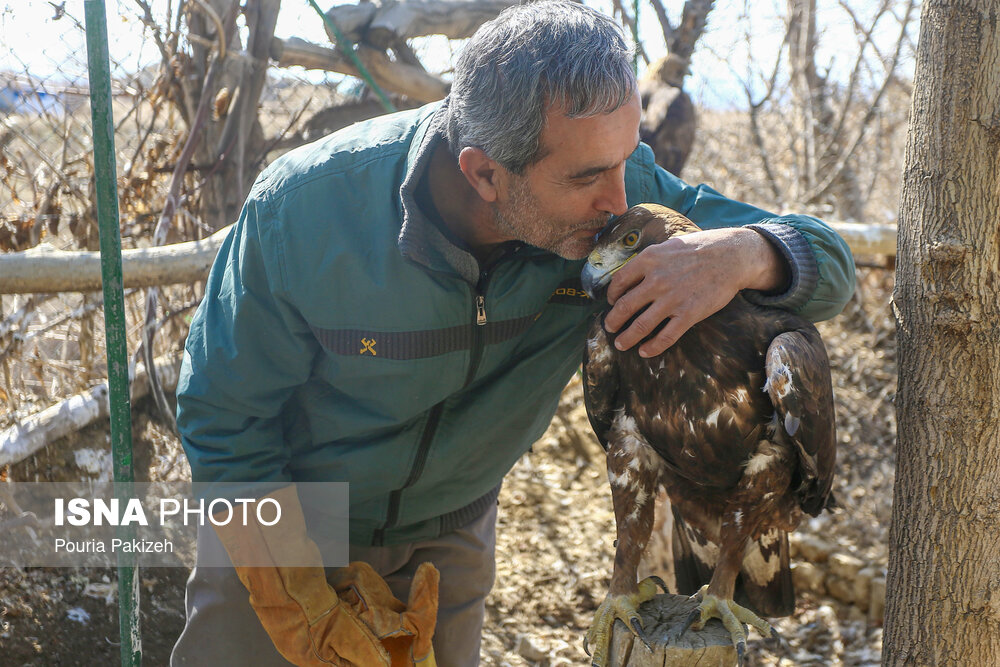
(631, 239)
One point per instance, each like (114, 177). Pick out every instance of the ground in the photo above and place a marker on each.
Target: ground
(554, 538)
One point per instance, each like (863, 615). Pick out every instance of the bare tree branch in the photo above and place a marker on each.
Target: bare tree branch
(845, 157)
(690, 29)
(399, 77)
(629, 24)
(661, 16)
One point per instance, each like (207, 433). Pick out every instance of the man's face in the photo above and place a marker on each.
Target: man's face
(562, 201)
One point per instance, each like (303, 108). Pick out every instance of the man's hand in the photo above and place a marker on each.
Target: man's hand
(686, 279)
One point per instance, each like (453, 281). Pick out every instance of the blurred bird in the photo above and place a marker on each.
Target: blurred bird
(668, 116)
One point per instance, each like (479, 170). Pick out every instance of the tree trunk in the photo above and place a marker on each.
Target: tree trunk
(943, 600)
(232, 141)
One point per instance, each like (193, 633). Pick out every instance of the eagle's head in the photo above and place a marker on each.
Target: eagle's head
(641, 226)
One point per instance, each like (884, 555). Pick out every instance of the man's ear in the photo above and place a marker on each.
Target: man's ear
(481, 172)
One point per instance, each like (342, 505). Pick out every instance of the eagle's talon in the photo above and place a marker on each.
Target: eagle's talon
(639, 632)
(692, 617)
(659, 582)
(618, 607)
(586, 648)
(734, 617)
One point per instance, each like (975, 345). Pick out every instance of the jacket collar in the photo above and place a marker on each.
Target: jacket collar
(420, 240)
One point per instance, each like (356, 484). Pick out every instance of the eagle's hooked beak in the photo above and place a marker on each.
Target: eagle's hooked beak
(597, 272)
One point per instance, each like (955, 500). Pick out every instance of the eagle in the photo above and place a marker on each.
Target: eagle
(669, 118)
(735, 421)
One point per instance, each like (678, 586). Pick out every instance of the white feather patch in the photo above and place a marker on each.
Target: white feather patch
(599, 350)
(760, 569)
(626, 431)
(622, 480)
(759, 462)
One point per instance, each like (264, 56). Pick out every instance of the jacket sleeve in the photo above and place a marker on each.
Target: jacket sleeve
(820, 262)
(247, 351)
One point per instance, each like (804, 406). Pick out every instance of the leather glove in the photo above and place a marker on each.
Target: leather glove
(404, 629)
(302, 613)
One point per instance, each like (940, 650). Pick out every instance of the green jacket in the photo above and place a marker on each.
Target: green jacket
(342, 337)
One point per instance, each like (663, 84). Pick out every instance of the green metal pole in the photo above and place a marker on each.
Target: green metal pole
(635, 35)
(114, 314)
(348, 49)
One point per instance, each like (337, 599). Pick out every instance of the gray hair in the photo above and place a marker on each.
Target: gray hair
(527, 58)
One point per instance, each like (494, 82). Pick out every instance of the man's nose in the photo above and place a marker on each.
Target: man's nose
(612, 199)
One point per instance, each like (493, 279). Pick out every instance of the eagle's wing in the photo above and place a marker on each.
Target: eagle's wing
(600, 380)
(798, 382)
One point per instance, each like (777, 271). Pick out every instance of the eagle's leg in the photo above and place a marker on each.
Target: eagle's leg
(632, 472)
(716, 599)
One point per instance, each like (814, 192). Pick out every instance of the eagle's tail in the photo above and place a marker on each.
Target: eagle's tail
(765, 581)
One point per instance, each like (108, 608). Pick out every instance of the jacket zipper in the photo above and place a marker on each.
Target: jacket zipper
(430, 428)
(392, 514)
(479, 332)
(479, 299)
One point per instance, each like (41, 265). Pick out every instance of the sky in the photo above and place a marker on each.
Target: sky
(32, 39)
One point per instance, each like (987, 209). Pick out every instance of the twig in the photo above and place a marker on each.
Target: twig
(163, 224)
(689, 31)
(40, 154)
(281, 135)
(221, 31)
(629, 23)
(148, 21)
(661, 15)
(845, 157)
(852, 81)
(755, 131)
(143, 137)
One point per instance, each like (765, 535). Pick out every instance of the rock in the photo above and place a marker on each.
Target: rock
(862, 586)
(808, 577)
(529, 649)
(855, 614)
(846, 566)
(809, 547)
(840, 588)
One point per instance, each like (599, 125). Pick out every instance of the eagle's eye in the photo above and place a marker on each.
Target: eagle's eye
(631, 239)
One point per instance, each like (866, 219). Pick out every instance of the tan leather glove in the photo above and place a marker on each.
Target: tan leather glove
(302, 613)
(404, 629)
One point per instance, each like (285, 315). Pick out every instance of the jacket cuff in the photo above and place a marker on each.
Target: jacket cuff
(801, 263)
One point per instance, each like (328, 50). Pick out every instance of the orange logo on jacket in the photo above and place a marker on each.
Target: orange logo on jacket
(368, 346)
(569, 291)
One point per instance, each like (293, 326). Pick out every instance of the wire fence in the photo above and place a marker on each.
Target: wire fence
(52, 345)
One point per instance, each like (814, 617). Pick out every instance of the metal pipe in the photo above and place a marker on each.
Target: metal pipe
(114, 314)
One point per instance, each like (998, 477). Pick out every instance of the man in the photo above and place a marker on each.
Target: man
(399, 308)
